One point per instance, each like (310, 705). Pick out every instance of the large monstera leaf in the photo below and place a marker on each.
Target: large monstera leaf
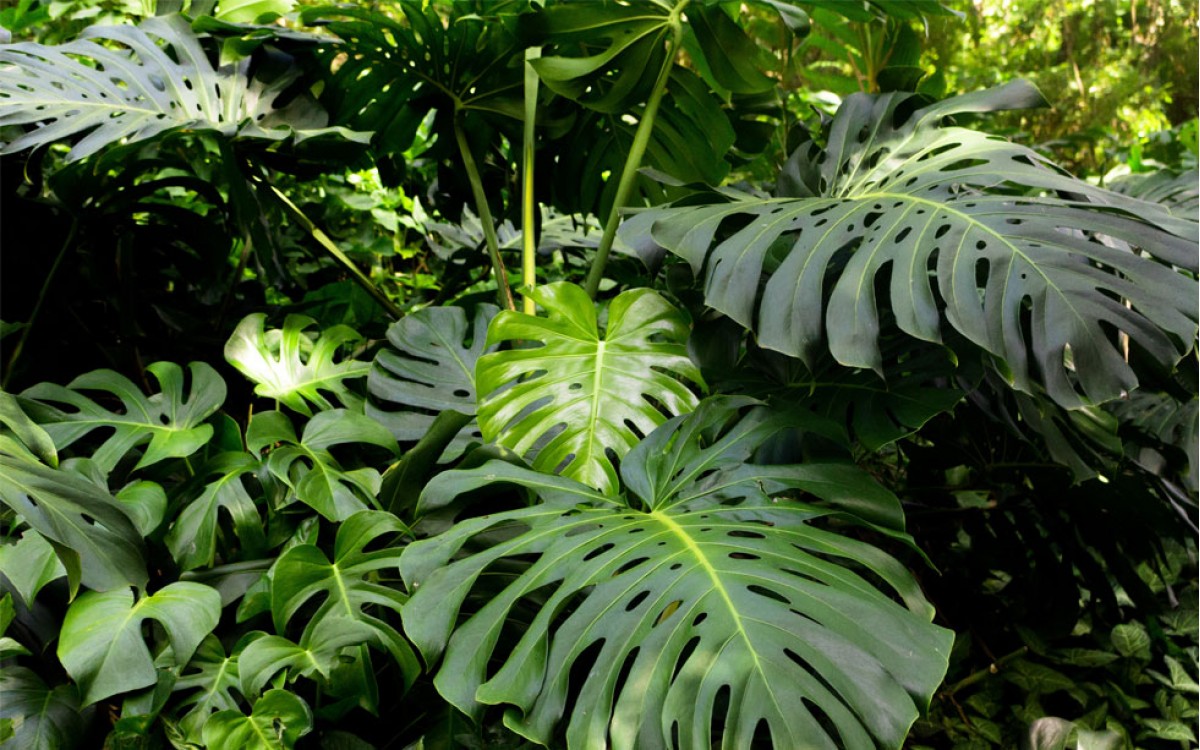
(701, 605)
(582, 394)
(170, 423)
(131, 83)
(429, 367)
(952, 228)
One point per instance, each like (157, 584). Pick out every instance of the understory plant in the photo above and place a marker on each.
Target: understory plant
(728, 465)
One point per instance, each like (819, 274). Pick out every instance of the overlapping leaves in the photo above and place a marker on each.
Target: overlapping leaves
(951, 227)
(159, 78)
(581, 394)
(699, 604)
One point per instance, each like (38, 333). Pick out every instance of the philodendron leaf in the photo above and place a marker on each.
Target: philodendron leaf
(958, 229)
(291, 366)
(318, 652)
(43, 718)
(193, 537)
(704, 602)
(278, 720)
(429, 367)
(93, 534)
(581, 393)
(349, 584)
(170, 423)
(29, 565)
(310, 470)
(119, 84)
(210, 681)
(101, 644)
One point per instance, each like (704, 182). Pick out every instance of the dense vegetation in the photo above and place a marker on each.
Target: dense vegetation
(588, 373)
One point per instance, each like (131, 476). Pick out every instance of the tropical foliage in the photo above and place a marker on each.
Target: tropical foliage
(818, 414)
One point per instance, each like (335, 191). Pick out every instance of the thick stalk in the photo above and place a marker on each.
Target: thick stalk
(485, 215)
(528, 205)
(355, 272)
(41, 299)
(633, 162)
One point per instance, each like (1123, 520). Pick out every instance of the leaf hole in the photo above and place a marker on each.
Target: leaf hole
(636, 601)
(598, 551)
(767, 593)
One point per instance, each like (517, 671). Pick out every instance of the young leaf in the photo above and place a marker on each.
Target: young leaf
(291, 367)
(29, 565)
(1035, 278)
(278, 720)
(101, 644)
(696, 585)
(348, 585)
(582, 394)
(192, 538)
(317, 653)
(170, 422)
(212, 678)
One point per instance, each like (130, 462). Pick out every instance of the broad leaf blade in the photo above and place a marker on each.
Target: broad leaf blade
(49, 718)
(278, 720)
(581, 394)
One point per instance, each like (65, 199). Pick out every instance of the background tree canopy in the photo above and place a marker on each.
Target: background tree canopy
(584, 374)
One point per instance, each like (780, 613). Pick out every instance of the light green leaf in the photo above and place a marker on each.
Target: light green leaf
(42, 718)
(192, 538)
(1132, 640)
(890, 198)
(146, 504)
(696, 585)
(101, 643)
(119, 84)
(95, 539)
(429, 367)
(310, 470)
(580, 395)
(26, 430)
(210, 679)
(293, 367)
(171, 422)
(278, 720)
(350, 585)
(29, 565)
(317, 653)
(249, 11)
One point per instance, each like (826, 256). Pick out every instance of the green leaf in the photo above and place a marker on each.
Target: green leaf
(29, 565)
(429, 367)
(93, 536)
(249, 11)
(293, 367)
(146, 504)
(602, 392)
(890, 198)
(318, 653)
(310, 470)
(192, 538)
(117, 84)
(702, 582)
(101, 644)
(170, 422)
(27, 431)
(43, 718)
(349, 584)
(278, 720)
(210, 680)
(1132, 640)
(735, 60)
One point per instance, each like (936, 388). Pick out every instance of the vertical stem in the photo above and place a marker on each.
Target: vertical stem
(355, 272)
(641, 138)
(528, 204)
(485, 215)
(41, 299)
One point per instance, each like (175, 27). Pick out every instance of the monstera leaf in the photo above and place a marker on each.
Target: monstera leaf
(1178, 192)
(101, 645)
(700, 603)
(43, 718)
(278, 720)
(193, 537)
(209, 681)
(29, 565)
(319, 652)
(347, 585)
(581, 394)
(141, 89)
(170, 423)
(294, 367)
(428, 368)
(953, 228)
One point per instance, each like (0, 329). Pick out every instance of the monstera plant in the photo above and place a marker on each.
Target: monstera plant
(679, 500)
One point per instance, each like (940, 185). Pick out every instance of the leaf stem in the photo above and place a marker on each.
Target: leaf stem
(528, 204)
(332, 248)
(485, 214)
(633, 161)
(41, 299)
